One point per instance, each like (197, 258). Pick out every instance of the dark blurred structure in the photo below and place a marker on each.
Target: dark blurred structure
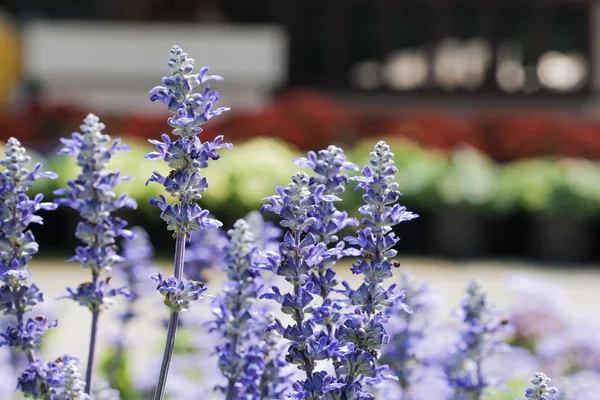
(430, 35)
(516, 80)
(492, 48)
(461, 54)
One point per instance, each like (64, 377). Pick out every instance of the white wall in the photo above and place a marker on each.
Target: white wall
(111, 67)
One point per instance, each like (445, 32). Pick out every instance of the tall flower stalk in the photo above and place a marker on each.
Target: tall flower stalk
(92, 195)
(364, 329)
(328, 165)
(17, 246)
(234, 318)
(244, 354)
(408, 332)
(298, 254)
(480, 338)
(134, 270)
(186, 156)
(40, 380)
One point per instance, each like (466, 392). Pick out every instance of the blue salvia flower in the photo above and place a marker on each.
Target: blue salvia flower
(92, 195)
(186, 157)
(234, 319)
(17, 210)
(135, 268)
(541, 389)
(17, 246)
(273, 381)
(480, 338)
(73, 386)
(364, 329)
(205, 250)
(329, 221)
(408, 331)
(266, 234)
(58, 380)
(179, 295)
(299, 253)
(328, 165)
(245, 356)
(28, 335)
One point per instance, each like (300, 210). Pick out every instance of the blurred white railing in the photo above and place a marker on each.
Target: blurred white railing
(111, 66)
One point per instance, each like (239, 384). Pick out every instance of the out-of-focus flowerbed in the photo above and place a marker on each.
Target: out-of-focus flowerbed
(308, 119)
(485, 185)
(465, 178)
(471, 205)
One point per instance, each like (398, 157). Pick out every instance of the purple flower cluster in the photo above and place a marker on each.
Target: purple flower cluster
(244, 355)
(17, 210)
(39, 380)
(539, 313)
(408, 332)
(179, 295)
(309, 250)
(480, 338)
(92, 195)
(311, 247)
(299, 253)
(57, 380)
(541, 389)
(186, 157)
(363, 330)
(266, 234)
(329, 221)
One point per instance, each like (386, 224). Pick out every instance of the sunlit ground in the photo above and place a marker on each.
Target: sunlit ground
(146, 335)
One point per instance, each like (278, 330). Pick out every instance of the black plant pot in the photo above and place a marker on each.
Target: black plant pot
(508, 235)
(459, 233)
(561, 238)
(414, 234)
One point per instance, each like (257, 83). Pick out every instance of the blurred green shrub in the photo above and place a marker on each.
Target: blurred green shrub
(431, 179)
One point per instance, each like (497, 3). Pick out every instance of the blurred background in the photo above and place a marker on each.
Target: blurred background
(490, 106)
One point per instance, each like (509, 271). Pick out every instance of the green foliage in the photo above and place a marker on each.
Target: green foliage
(249, 172)
(470, 180)
(115, 367)
(565, 186)
(514, 389)
(432, 179)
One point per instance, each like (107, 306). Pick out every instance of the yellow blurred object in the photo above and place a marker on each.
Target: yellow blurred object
(10, 65)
